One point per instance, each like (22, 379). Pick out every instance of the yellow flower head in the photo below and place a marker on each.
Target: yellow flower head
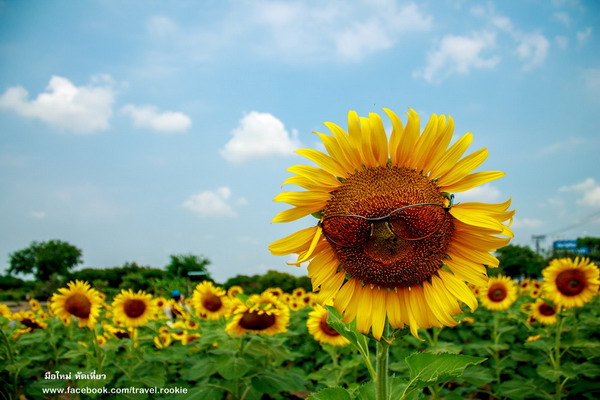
(77, 300)
(262, 314)
(235, 289)
(570, 283)
(133, 310)
(501, 293)
(533, 338)
(543, 312)
(319, 328)
(5, 311)
(389, 243)
(210, 301)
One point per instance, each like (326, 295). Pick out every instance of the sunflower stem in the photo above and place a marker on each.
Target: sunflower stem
(381, 360)
(496, 352)
(557, 355)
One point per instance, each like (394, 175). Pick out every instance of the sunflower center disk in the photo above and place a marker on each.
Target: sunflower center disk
(211, 302)
(328, 330)
(571, 282)
(403, 250)
(497, 293)
(257, 322)
(134, 308)
(546, 309)
(78, 305)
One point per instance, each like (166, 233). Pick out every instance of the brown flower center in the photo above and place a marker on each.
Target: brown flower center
(121, 335)
(133, 308)
(382, 257)
(30, 324)
(326, 329)
(571, 282)
(546, 309)
(211, 302)
(497, 292)
(78, 305)
(254, 321)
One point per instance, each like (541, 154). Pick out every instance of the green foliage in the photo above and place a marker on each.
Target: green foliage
(519, 261)
(182, 264)
(593, 245)
(271, 279)
(42, 259)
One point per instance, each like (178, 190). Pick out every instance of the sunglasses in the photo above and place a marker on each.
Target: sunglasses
(411, 222)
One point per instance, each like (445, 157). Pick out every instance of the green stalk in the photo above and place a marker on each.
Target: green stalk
(381, 364)
(557, 354)
(495, 351)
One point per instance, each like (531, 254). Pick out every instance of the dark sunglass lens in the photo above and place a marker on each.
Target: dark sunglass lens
(417, 222)
(346, 231)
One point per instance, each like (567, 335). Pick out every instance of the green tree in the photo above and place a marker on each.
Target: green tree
(42, 259)
(518, 261)
(182, 264)
(593, 245)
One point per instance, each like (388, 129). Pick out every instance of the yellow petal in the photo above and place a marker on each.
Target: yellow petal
(394, 306)
(364, 316)
(336, 152)
(459, 289)
(473, 180)
(304, 199)
(309, 184)
(480, 257)
(397, 131)
(379, 141)
(324, 161)
(466, 215)
(437, 305)
(322, 268)
(344, 141)
(330, 288)
(344, 296)
(424, 144)
(443, 138)
(294, 243)
(379, 311)
(316, 175)
(409, 138)
(294, 213)
(462, 168)
(369, 157)
(451, 156)
(311, 248)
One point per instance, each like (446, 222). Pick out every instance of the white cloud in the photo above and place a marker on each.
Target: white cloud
(78, 109)
(527, 223)
(561, 41)
(259, 135)
(485, 193)
(567, 144)
(211, 203)
(583, 36)
(459, 55)
(533, 50)
(161, 26)
(591, 80)
(589, 189)
(562, 18)
(37, 214)
(149, 117)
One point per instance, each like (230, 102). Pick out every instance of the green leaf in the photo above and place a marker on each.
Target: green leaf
(203, 368)
(521, 355)
(367, 391)
(358, 340)
(426, 368)
(589, 369)
(549, 373)
(516, 389)
(336, 393)
(538, 345)
(201, 393)
(478, 375)
(232, 367)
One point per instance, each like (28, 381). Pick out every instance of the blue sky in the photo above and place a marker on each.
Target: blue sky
(136, 129)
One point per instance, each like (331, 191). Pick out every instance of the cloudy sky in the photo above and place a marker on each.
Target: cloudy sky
(135, 129)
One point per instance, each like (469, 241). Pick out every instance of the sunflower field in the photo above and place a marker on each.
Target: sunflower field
(228, 345)
(401, 305)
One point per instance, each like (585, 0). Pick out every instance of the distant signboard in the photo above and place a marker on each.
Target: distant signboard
(569, 245)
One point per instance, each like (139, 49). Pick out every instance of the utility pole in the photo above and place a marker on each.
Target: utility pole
(537, 239)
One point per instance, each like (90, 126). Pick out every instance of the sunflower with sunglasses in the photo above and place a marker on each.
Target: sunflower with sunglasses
(390, 244)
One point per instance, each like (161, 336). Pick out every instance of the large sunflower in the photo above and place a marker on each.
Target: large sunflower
(543, 312)
(210, 302)
(570, 283)
(500, 293)
(318, 327)
(389, 242)
(262, 314)
(77, 300)
(133, 310)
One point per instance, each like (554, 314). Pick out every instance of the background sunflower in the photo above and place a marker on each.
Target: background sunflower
(133, 310)
(501, 293)
(78, 300)
(570, 283)
(318, 327)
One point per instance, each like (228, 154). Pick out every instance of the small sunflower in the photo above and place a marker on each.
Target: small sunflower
(210, 301)
(234, 290)
(5, 311)
(500, 293)
(101, 340)
(262, 314)
(543, 312)
(77, 300)
(162, 341)
(133, 310)
(570, 283)
(318, 327)
(35, 305)
(533, 338)
(277, 292)
(389, 243)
